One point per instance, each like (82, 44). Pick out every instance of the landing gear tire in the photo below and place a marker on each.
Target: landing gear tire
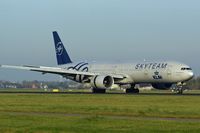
(98, 91)
(180, 87)
(180, 92)
(132, 91)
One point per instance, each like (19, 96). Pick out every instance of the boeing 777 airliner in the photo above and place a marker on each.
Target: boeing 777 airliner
(161, 75)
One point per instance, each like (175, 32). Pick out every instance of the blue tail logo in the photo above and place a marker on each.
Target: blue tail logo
(59, 48)
(61, 53)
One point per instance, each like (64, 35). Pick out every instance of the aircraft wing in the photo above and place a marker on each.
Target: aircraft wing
(59, 71)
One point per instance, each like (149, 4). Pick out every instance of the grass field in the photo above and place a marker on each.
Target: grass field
(89, 113)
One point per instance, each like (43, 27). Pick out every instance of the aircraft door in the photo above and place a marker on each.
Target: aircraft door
(146, 74)
(169, 74)
(115, 68)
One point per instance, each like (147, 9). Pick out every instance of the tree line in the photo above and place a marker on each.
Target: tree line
(193, 84)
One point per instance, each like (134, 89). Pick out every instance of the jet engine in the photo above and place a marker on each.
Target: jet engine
(102, 82)
(162, 86)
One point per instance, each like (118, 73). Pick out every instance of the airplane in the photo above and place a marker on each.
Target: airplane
(101, 77)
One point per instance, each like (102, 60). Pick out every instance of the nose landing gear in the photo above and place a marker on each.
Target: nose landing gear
(180, 87)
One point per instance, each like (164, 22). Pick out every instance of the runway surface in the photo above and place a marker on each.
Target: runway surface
(89, 93)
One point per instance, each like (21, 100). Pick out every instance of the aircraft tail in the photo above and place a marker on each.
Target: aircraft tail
(61, 53)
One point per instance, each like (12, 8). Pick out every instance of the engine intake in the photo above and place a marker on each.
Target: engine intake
(102, 82)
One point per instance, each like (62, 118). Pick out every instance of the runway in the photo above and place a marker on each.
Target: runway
(90, 93)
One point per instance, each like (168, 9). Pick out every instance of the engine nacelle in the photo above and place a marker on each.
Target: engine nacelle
(102, 82)
(162, 86)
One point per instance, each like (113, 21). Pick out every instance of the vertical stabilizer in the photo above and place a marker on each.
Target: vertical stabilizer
(61, 53)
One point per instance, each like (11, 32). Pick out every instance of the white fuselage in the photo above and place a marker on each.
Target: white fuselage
(145, 72)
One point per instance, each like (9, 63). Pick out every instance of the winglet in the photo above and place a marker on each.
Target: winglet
(61, 53)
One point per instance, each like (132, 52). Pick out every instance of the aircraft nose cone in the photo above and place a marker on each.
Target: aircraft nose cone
(190, 75)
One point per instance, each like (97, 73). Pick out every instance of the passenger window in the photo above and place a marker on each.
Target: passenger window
(182, 68)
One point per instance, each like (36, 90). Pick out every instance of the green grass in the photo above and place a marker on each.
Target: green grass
(88, 113)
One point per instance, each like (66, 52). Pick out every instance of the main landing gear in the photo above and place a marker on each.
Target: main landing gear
(132, 90)
(98, 91)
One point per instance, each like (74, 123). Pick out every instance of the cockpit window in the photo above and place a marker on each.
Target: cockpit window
(186, 68)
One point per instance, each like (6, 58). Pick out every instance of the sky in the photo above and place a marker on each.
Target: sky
(97, 30)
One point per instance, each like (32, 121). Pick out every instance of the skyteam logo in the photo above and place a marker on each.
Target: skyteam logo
(80, 67)
(59, 48)
(83, 67)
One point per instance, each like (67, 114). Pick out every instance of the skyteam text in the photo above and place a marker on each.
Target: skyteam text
(151, 66)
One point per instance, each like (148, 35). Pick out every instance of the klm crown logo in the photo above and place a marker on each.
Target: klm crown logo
(157, 75)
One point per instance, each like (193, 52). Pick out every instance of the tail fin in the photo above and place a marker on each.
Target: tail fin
(61, 53)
